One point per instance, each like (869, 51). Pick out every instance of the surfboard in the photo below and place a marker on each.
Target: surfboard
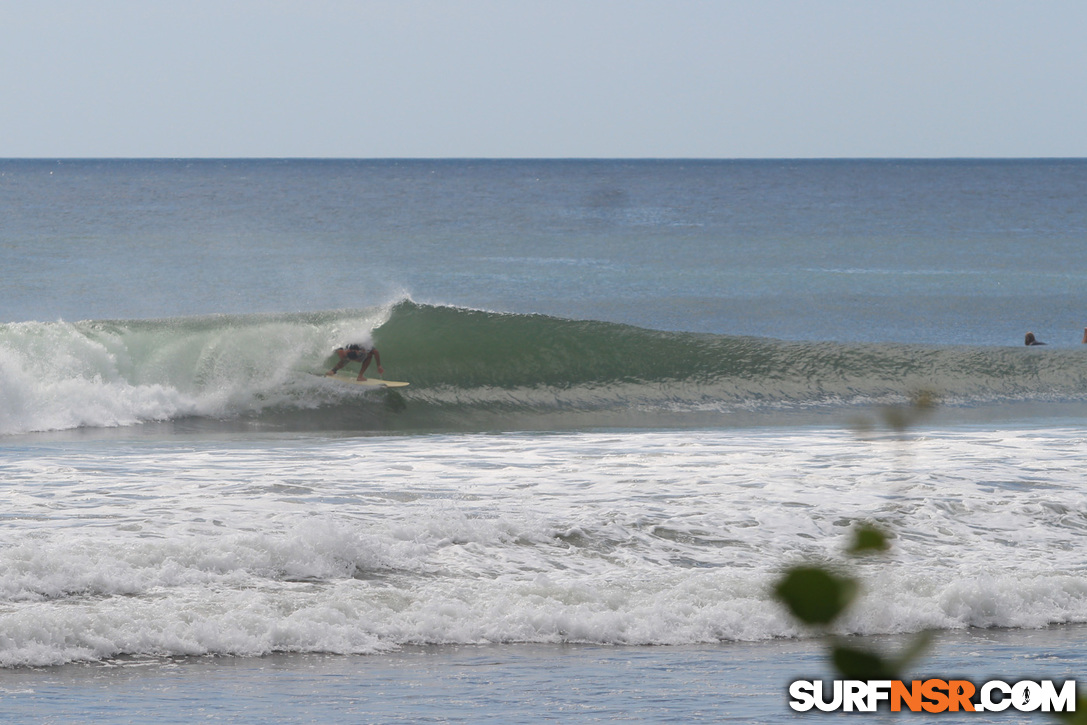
(368, 382)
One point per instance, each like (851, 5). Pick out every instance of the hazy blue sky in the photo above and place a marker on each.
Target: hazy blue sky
(543, 78)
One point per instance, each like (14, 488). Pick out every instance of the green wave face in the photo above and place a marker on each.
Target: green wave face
(465, 349)
(473, 369)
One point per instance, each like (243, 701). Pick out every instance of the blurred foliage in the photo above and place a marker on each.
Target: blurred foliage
(818, 595)
(867, 539)
(814, 595)
(899, 418)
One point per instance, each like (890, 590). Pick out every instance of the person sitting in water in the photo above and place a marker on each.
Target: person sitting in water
(1031, 340)
(357, 353)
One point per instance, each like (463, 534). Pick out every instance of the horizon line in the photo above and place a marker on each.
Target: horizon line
(542, 158)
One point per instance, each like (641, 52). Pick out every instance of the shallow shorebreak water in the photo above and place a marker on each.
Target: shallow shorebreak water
(728, 682)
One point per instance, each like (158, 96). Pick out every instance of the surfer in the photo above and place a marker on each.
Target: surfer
(357, 353)
(1031, 340)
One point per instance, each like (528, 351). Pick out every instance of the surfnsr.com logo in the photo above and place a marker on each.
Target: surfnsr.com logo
(933, 696)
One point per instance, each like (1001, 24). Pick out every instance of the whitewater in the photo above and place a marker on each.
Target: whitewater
(638, 392)
(348, 546)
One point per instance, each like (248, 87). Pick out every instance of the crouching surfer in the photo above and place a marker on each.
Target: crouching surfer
(357, 353)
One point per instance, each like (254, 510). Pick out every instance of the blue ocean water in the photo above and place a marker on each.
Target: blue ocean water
(970, 252)
(638, 390)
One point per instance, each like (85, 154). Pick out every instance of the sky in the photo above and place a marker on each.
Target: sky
(543, 78)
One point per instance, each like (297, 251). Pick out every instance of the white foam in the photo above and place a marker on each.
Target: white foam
(630, 538)
(59, 375)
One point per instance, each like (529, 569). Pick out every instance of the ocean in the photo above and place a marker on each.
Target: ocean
(639, 391)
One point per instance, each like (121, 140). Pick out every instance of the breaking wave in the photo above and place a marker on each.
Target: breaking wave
(480, 370)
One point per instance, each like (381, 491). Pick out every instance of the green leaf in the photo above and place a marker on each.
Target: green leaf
(815, 596)
(858, 664)
(868, 539)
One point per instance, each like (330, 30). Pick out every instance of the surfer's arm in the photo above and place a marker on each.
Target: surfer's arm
(339, 365)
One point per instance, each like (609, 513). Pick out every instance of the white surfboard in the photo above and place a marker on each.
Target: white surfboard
(368, 382)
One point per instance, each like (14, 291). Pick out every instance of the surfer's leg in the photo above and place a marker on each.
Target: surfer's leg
(365, 364)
